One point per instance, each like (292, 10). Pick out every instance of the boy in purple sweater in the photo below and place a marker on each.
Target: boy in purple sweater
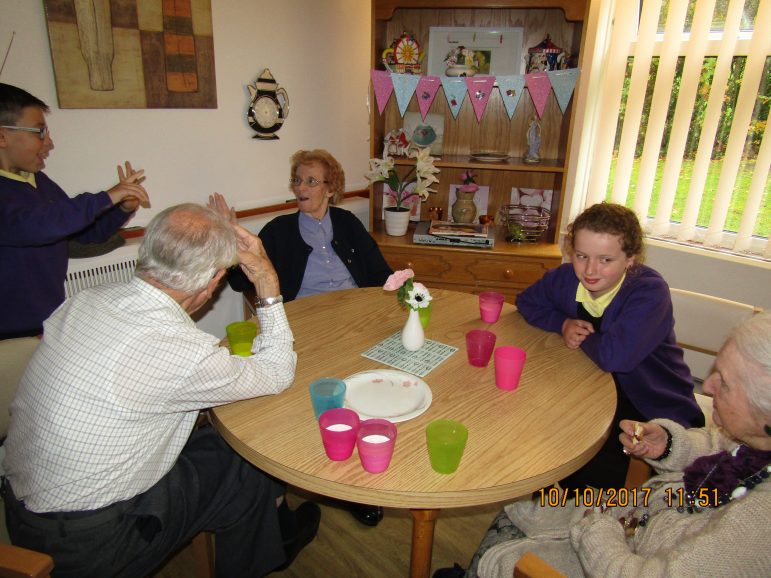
(619, 312)
(37, 217)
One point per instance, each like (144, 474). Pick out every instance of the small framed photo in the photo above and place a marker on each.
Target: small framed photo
(536, 198)
(425, 133)
(413, 203)
(499, 50)
(480, 199)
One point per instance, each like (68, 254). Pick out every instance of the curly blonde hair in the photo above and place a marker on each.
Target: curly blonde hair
(613, 219)
(334, 171)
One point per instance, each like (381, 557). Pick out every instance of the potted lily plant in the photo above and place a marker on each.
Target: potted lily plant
(413, 187)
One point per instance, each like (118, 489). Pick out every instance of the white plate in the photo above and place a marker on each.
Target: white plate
(489, 157)
(388, 394)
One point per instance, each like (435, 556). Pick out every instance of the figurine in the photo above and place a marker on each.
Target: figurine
(396, 143)
(533, 142)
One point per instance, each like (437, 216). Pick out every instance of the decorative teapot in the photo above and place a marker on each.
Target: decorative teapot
(269, 106)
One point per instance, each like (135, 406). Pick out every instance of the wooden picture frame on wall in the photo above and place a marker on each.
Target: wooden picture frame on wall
(132, 53)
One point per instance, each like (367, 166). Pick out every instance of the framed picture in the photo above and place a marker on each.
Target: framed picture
(480, 199)
(499, 49)
(413, 203)
(424, 133)
(531, 197)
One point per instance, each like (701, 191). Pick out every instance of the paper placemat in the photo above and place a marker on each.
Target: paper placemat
(391, 352)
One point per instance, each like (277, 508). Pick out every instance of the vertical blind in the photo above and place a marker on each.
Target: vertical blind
(682, 134)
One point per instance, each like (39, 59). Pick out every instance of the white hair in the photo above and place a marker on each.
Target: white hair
(184, 246)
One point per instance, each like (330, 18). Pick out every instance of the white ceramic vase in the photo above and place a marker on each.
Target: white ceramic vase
(413, 336)
(396, 222)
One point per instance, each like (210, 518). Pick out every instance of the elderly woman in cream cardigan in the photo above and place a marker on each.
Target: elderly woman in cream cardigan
(706, 513)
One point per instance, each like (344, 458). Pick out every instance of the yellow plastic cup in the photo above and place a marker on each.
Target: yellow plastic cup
(241, 335)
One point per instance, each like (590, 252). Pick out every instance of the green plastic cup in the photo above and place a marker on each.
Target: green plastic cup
(241, 335)
(446, 440)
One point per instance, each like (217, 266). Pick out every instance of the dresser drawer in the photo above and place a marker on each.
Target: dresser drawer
(509, 270)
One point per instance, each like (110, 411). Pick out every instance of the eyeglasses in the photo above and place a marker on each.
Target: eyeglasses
(42, 132)
(309, 182)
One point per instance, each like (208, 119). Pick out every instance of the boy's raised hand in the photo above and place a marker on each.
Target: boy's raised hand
(129, 192)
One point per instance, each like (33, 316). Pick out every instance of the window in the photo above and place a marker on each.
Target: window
(681, 131)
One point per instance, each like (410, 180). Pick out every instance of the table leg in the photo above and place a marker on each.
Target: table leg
(423, 522)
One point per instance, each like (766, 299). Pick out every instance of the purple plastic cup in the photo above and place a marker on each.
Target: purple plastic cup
(339, 427)
(375, 441)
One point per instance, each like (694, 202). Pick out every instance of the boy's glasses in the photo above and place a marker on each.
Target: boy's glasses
(42, 132)
(309, 182)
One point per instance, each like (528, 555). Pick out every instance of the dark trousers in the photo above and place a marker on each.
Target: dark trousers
(209, 488)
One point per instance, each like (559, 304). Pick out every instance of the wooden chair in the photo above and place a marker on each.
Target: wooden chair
(532, 566)
(18, 562)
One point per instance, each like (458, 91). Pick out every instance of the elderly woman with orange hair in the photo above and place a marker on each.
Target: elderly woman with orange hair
(321, 247)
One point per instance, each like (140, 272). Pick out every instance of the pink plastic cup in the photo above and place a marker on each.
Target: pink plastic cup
(479, 346)
(375, 442)
(339, 427)
(509, 362)
(490, 305)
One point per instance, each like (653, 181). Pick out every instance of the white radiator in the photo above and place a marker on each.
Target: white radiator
(117, 265)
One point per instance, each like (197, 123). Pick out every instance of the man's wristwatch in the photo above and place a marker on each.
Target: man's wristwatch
(261, 302)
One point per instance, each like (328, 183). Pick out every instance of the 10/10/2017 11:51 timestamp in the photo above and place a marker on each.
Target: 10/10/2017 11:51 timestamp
(623, 497)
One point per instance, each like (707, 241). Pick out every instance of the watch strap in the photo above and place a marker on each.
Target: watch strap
(261, 302)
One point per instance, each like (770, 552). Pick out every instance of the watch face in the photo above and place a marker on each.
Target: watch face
(266, 112)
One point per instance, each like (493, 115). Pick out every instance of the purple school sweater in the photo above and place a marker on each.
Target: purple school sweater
(636, 342)
(35, 225)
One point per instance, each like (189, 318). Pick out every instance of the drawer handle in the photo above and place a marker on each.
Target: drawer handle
(409, 265)
(508, 273)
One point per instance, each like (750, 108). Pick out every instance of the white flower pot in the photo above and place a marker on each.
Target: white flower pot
(413, 336)
(396, 221)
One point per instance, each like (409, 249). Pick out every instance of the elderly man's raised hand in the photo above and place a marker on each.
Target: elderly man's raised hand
(256, 264)
(129, 192)
(218, 203)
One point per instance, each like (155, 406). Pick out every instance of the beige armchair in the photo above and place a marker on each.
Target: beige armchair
(18, 562)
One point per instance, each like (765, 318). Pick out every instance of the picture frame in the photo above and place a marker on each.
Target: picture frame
(480, 199)
(422, 133)
(501, 47)
(413, 203)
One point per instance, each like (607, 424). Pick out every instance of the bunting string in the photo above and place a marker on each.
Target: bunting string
(478, 89)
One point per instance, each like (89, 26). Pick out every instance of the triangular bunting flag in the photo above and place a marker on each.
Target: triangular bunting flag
(479, 89)
(563, 82)
(404, 88)
(538, 86)
(511, 90)
(426, 91)
(455, 92)
(381, 82)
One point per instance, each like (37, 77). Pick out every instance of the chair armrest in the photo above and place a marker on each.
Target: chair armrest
(16, 562)
(532, 566)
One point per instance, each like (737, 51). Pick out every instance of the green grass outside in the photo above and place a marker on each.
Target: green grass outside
(738, 199)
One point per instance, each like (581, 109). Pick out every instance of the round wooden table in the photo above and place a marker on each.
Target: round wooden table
(519, 441)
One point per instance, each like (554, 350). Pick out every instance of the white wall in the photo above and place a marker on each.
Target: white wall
(317, 50)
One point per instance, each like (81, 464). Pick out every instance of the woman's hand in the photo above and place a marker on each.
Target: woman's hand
(218, 203)
(129, 192)
(651, 439)
(574, 331)
(256, 264)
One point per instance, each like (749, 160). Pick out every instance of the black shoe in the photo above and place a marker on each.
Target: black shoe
(455, 572)
(306, 523)
(367, 515)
